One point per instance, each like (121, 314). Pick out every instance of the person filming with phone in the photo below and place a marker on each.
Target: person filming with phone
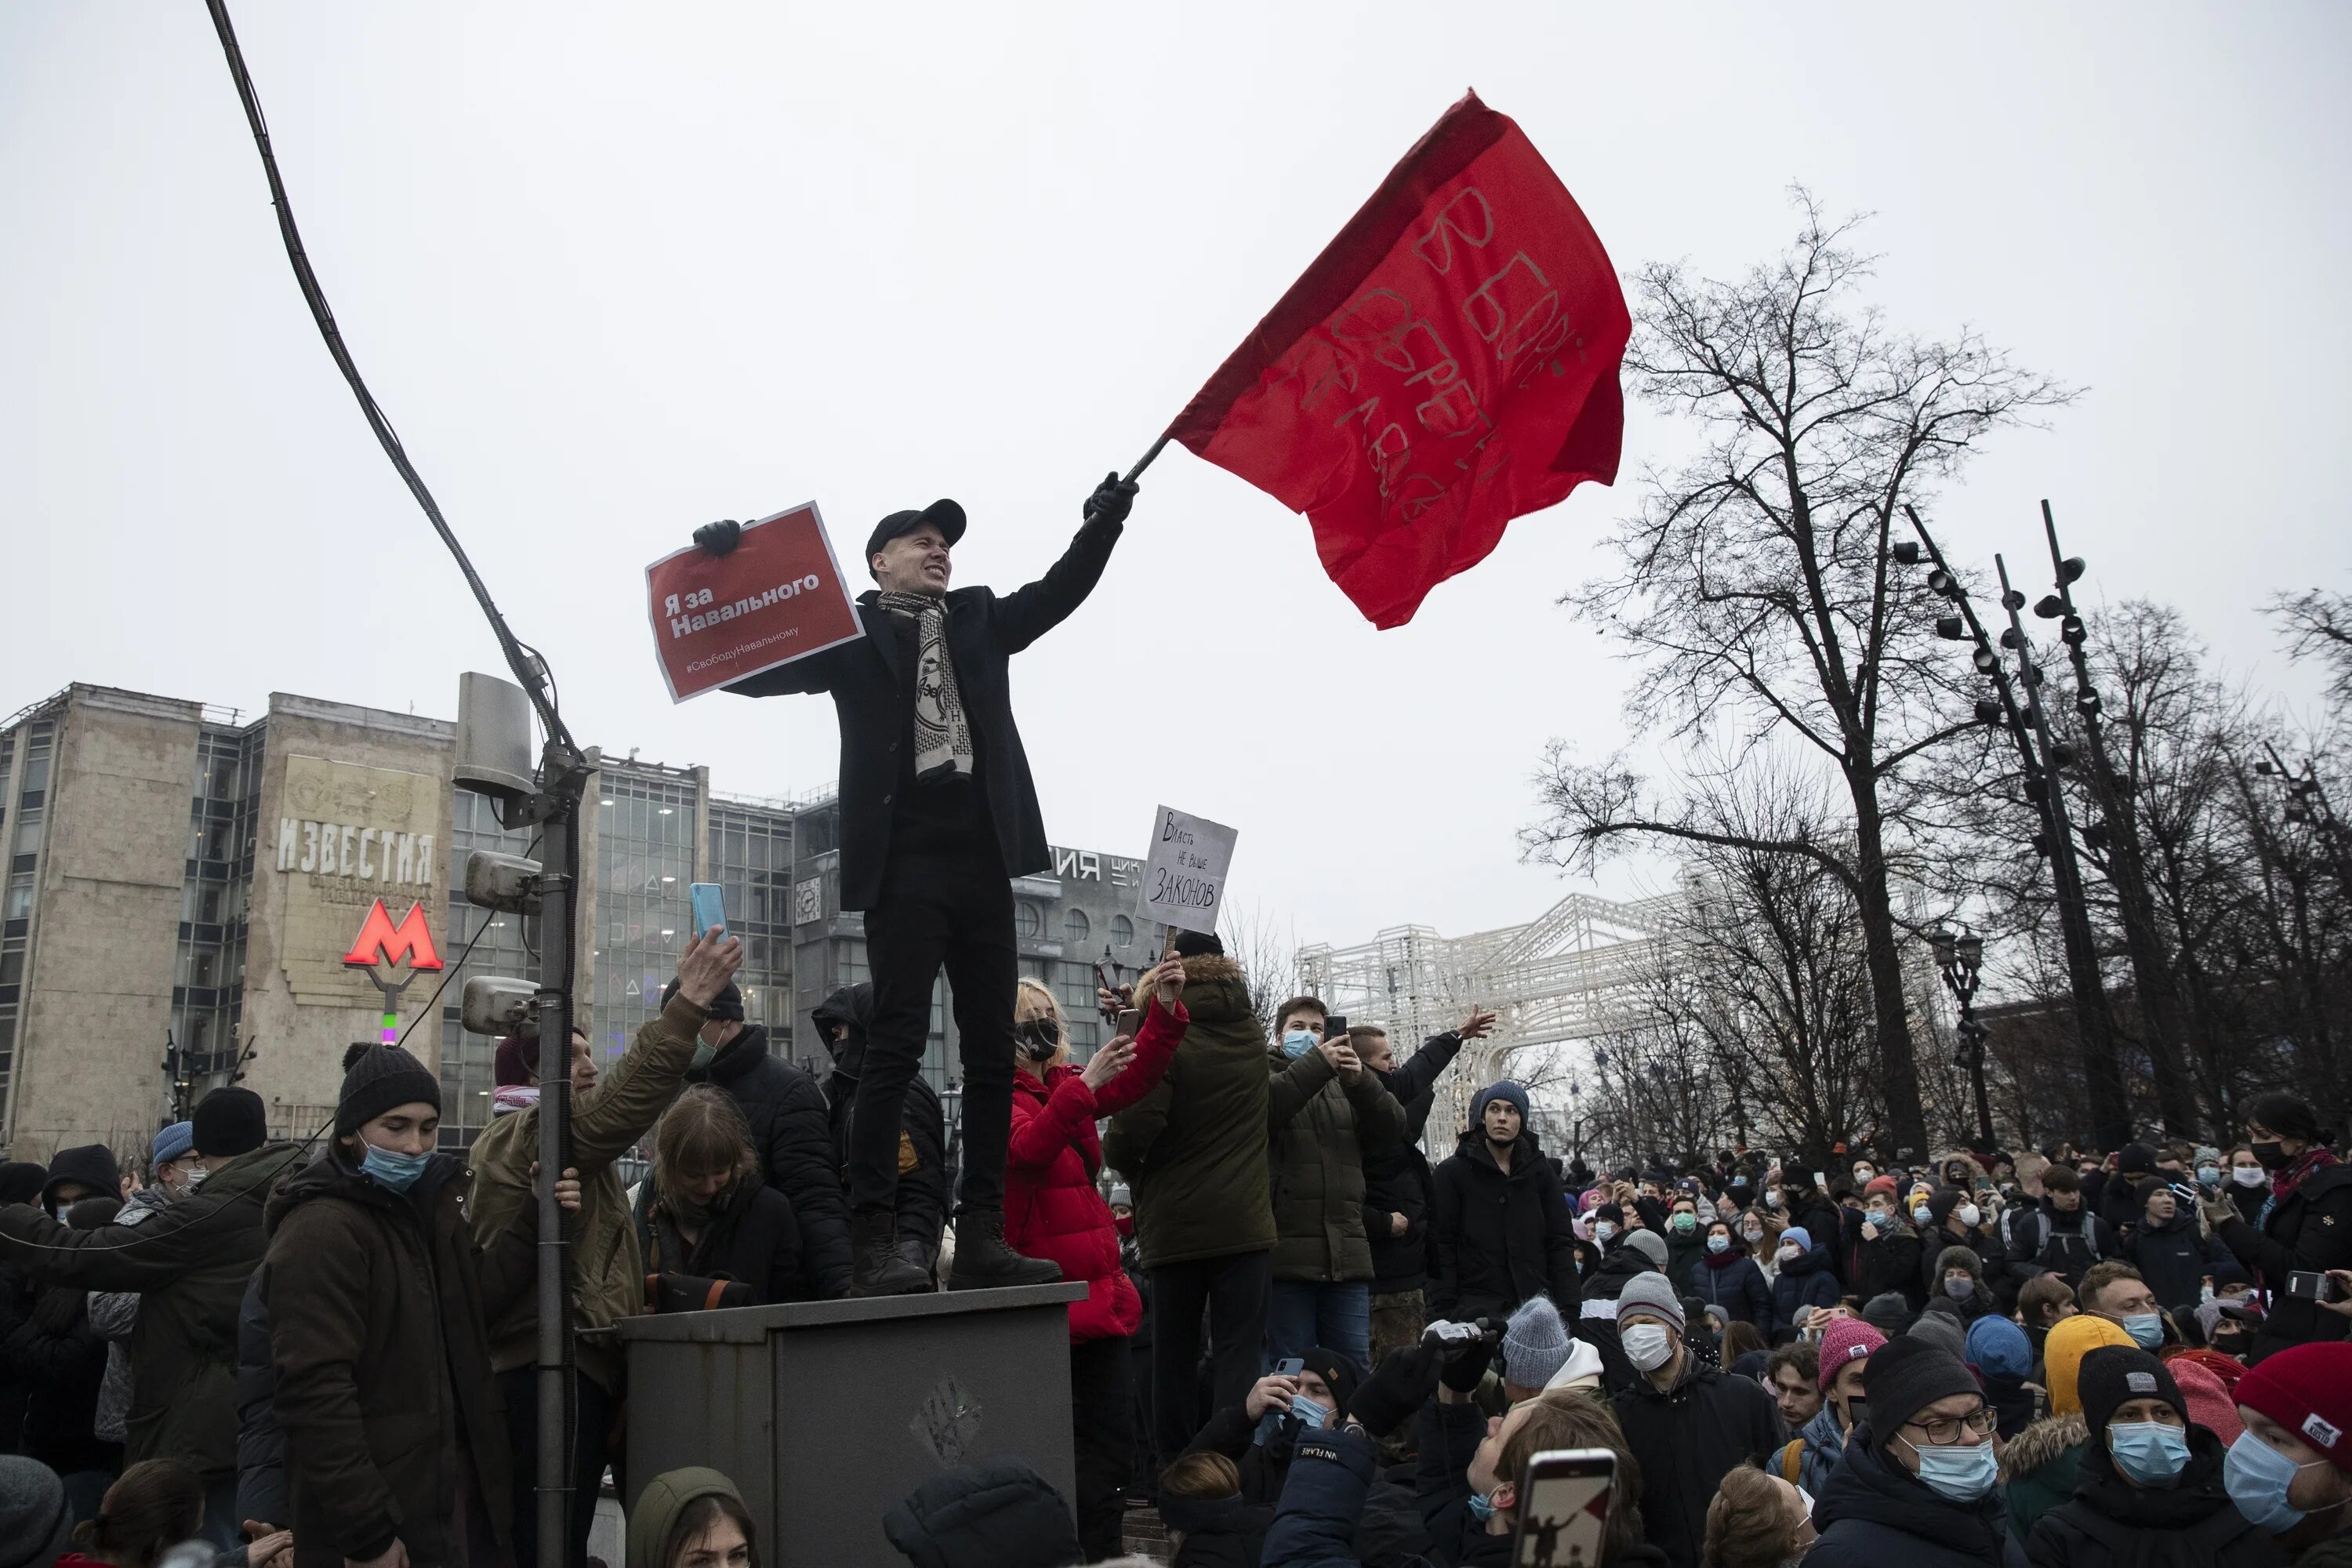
(2301, 1232)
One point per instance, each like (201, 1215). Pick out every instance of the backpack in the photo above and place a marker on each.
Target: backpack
(1792, 1461)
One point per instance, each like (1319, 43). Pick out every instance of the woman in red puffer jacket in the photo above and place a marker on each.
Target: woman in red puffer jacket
(1052, 1209)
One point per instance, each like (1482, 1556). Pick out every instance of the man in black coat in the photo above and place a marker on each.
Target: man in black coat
(1500, 1230)
(938, 813)
(786, 1112)
(922, 1212)
(2061, 1236)
(1397, 1189)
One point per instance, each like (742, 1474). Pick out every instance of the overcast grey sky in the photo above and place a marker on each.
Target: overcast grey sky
(615, 270)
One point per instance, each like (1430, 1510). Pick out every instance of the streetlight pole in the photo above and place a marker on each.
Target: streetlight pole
(1961, 958)
(2017, 706)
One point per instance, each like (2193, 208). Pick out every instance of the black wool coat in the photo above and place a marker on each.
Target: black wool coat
(792, 1129)
(2310, 1229)
(1497, 1238)
(1686, 1439)
(751, 1237)
(874, 695)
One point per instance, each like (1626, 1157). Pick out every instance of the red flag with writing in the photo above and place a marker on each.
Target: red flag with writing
(1448, 363)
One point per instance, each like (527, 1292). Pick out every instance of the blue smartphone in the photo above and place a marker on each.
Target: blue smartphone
(709, 902)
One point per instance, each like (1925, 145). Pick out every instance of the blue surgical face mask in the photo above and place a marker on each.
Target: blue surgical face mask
(2149, 1452)
(1297, 1042)
(1718, 1243)
(1960, 1289)
(1310, 1412)
(1960, 1473)
(1602, 1230)
(2146, 1328)
(1482, 1508)
(389, 1169)
(2257, 1477)
(2210, 1175)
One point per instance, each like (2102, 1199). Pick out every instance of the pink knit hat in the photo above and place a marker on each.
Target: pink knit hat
(2210, 1404)
(1846, 1340)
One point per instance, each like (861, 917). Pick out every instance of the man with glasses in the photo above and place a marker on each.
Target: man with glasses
(1687, 1422)
(1919, 1481)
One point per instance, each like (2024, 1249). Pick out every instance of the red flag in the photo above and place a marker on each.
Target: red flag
(1448, 363)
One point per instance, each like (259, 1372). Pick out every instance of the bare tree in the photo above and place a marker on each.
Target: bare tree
(1267, 950)
(2318, 624)
(1756, 588)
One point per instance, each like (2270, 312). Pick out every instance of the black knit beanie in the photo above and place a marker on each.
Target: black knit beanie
(1908, 1375)
(2113, 1373)
(229, 1121)
(727, 1005)
(381, 1078)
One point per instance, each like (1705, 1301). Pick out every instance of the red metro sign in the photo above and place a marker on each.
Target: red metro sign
(381, 941)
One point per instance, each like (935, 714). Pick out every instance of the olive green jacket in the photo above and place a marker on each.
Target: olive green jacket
(1323, 1126)
(607, 1123)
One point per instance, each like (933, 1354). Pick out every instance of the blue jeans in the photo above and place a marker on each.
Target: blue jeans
(1303, 1313)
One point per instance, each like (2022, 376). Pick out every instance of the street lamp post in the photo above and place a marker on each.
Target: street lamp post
(1961, 958)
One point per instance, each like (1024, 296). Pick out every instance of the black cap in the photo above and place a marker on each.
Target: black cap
(944, 515)
(382, 1078)
(229, 1121)
(2113, 1373)
(727, 1005)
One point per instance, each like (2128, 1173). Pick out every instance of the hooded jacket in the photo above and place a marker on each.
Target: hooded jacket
(1807, 1280)
(189, 1262)
(751, 1236)
(792, 1129)
(873, 690)
(2041, 1466)
(260, 1446)
(921, 1210)
(607, 1123)
(996, 1511)
(1980, 1301)
(1496, 1238)
(659, 1506)
(379, 1307)
(1323, 1126)
(1873, 1513)
(1824, 1448)
(1195, 1151)
(2175, 1258)
(1687, 1438)
(2111, 1523)
(1052, 1209)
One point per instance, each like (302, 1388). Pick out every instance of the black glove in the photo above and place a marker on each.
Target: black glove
(720, 538)
(1112, 500)
(1468, 1368)
(1405, 1380)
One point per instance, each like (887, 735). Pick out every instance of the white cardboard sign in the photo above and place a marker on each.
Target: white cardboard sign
(1184, 879)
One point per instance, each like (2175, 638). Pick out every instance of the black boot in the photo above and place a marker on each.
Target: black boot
(983, 1261)
(878, 1269)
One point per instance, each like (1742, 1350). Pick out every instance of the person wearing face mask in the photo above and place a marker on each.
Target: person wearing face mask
(1803, 1276)
(1955, 1218)
(379, 1303)
(1960, 1283)
(925, 1181)
(1886, 1255)
(1686, 1237)
(2116, 1293)
(1728, 1277)
(189, 1262)
(2303, 1228)
(791, 1126)
(2150, 1492)
(2043, 1462)
(1686, 1421)
(174, 1170)
(2176, 1259)
(1055, 1209)
(1918, 1484)
(2245, 1183)
(2291, 1471)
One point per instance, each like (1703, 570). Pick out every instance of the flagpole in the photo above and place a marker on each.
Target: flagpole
(1145, 461)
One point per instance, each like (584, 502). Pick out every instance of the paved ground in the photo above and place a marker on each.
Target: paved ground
(1146, 1536)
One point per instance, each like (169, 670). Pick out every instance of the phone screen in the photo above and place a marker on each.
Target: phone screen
(1564, 1508)
(709, 903)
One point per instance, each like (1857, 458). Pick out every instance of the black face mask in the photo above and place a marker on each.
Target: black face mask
(2272, 1155)
(1040, 1039)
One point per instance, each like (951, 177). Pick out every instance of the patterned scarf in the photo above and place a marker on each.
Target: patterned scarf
(942, 736)
(2315, 1158)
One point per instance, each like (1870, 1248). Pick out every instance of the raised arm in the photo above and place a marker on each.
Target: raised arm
(1028, 612)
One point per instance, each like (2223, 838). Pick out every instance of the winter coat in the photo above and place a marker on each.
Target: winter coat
(607, 1123)
(874, 695)
(1873, 1513)
(792, 1129)
(1681, 1251)
(2045, 1240)
(379, 1308)
(752, 1237)
(1826, 1223)
(1596, 1319)
(1052, 1209)
(1687, 1438)
(2040, 1467)
(1195, 1151)
(2174, 1257)
(2310, 1228)
(1820, 1446)
(1219, 1533)
(921, 1210)
(1499, 1238)
(1806, 1281)
(1447, 1438)
(1397, 1180)
(993, 1511)
(1315, 1521)
(260, 1445)
(1264, 1467)
(62, 1359)
(1733, 1281)
(112, 1315)
(1979, 1302)
(2248, 1200)
(189, 1263)
(1323, 1124)
(1983, 1240)
(1889, 1263)
(2192, 1523)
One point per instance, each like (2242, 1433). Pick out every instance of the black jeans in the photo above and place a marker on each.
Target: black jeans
(1102, 1433)
(1233, 1289)
(955, 910)
(592, 1410)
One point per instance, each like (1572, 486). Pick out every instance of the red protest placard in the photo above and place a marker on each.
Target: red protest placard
(1448, 363)
(778, 596)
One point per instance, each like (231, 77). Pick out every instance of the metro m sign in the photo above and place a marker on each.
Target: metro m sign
(381, 941)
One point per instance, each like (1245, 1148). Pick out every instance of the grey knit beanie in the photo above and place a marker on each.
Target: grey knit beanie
(1534, 1344)
(1650, 1293)
(36, 1525)
(1650, 1245)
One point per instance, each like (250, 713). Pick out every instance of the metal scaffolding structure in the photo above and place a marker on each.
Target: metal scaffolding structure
(1554, 981)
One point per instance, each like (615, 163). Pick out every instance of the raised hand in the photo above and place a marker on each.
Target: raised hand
(1109, 1062)
(706, 966)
